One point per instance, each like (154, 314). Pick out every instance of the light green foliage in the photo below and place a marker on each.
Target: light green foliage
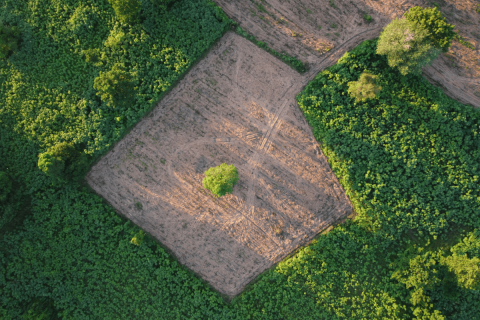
(220, 179)
(63, 161)
(116, 38)
(407, 46)
(419, 273)
(5, 186)
(467, 270)
(440, 33)
(116, 87)
(9, 38)
(126, 10)
(365, 88)
(138, 238)
(464, 261)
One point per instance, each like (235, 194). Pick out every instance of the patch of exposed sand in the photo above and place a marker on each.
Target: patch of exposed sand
(236, 106)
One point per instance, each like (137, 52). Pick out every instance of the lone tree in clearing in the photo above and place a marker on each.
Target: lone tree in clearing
(365, 88)
(221, 179)
(416, 40)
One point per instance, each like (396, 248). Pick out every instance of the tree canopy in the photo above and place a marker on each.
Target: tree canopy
(221, 179)
(440, 32)
(407, 46)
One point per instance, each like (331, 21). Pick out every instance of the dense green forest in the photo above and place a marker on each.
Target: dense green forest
(408, 157)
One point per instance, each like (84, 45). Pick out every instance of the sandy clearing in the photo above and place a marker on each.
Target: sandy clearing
(236, 106)
(307, 29)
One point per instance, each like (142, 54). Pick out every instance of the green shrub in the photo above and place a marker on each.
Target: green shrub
(221, 179)
(5, 186)
(365, 88)
(9, 38)
(368, 18)
(115, 87)
(126, 10)
(440, 33)
(63, 162)
(407, 46)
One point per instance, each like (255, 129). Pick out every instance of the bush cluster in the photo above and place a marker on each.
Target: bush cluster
(221, 179)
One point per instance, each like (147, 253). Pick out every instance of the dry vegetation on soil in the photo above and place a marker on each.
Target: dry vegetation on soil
(307, 29)
(236, 106)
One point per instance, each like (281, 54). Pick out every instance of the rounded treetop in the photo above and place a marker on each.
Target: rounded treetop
(221, 179)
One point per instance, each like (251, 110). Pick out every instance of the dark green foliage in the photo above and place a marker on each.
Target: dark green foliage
(440, 32)
(291, 61)
(63, 162)
(365, 88)
(126, 10)
(409, 159)
(92, 55)
(220, 179)
(5, 186)
(72, 250)
(368, 18)
(407, 46)
(78, 252)
(9, 38)
(116, 86)
(76, 257)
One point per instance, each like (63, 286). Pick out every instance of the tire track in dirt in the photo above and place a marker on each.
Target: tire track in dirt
(220, 140)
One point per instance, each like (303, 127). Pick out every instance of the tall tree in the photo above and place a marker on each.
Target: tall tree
(440, 32)
(407, 46)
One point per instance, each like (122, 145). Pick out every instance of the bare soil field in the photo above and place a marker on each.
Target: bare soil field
(309, 29)
(236, 106)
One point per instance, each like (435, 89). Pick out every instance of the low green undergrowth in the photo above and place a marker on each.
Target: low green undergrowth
(408, 159)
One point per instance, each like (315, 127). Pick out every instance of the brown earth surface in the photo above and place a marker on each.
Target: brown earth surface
(307, 29)
(237, 106)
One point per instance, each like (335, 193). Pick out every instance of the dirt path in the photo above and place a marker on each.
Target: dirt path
(311, 29)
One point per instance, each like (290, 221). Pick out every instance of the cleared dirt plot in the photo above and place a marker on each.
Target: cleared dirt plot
(312, 29)
(236, 106)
